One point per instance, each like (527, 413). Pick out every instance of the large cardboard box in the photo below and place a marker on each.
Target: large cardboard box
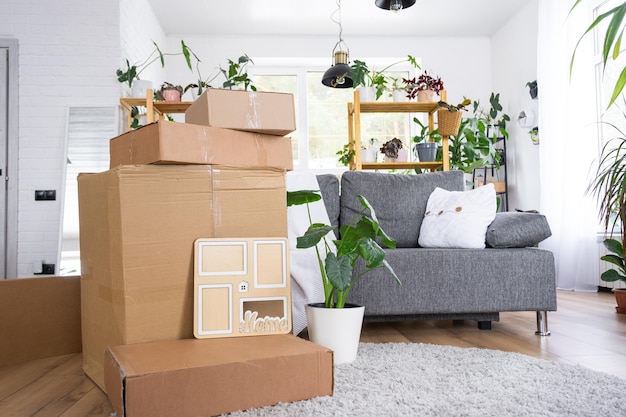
(190, 378)
(166, 142)
(252, 111)
(39, 317)
(138, 225)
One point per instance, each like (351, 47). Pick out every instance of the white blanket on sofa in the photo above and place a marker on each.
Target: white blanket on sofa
(306, 280)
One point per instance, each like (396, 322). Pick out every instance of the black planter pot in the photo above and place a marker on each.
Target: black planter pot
(533, 92)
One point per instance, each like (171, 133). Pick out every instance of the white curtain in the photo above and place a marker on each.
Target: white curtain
(568, 143)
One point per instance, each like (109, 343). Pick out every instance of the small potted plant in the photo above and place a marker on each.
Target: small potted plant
(170, 92)
(532, 89)
(534, 135)
(426, 142)
(236, 75)
(394, 151)
(369, 152)
(397, 89)
(424, 88)
(346, 154)
(358, 240)
(449, 117)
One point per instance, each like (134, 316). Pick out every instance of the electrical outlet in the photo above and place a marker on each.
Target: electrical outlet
(47, 269)
(45, 195)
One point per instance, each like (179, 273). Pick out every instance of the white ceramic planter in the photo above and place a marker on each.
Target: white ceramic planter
(367, 94)
(399, 96)
(140, 87)
(368, 155)
(338, 329)
(403, 156)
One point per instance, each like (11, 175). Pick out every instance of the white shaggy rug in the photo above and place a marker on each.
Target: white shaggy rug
(395, 379)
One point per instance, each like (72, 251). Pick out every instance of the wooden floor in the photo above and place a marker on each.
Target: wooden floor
(585, 330)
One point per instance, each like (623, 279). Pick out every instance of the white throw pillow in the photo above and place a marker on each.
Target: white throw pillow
(458, 219)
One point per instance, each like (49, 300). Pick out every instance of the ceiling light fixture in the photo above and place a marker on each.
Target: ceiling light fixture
(395, 5)
(339, 75)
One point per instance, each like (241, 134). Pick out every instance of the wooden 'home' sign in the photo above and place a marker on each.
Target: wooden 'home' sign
(241, 287)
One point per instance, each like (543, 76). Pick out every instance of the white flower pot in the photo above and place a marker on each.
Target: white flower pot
(399, 96)
(140, 87)
(368, 155)
(367, 94)
(338, 329)
(403, 156)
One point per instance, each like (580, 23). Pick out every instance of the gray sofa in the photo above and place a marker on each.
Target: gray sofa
(444, 284)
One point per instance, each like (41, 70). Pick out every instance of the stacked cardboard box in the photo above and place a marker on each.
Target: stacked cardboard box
(170, 184)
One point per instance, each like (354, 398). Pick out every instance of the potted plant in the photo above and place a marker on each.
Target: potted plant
(373, 80)
(397, 89)
(236, 74)
(369, 152)
(394, 151)
(534, 135)
(170, 92)
(357, 243)
(449, 117)
(425, 87)
(532, 89)
(426, 142)
(346, 154)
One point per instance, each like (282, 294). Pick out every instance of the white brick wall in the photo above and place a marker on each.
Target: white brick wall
(68, 52)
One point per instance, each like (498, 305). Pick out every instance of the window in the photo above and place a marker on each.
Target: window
(322, 113)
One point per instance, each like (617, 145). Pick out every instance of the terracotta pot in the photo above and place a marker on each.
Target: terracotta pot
(171, 95)
(426, 95)
(620, 298)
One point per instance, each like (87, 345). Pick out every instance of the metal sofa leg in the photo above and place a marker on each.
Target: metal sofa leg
(542, 324)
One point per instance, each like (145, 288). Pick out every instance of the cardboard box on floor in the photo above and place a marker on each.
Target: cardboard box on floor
(39, 318)
(189, 378)
(252, 111)
(166, 142)
(138, 225)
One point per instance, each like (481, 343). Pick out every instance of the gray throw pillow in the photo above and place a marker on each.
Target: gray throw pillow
(517, 230)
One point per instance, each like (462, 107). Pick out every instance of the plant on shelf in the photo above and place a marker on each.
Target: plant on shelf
(170, 92)
(366, 77)
(391, 148)
(346, 154)
(424, 82)
(426, 142)
(236, 74)
(532, 89)
(358, 240)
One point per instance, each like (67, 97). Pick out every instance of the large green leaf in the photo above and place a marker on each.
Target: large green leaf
(612, 275)
(297, 198)
(371, 253)
(614, 246)
(614, 259)
(339, 271)
(314, 234)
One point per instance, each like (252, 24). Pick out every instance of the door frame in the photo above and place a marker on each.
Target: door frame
(12, 166)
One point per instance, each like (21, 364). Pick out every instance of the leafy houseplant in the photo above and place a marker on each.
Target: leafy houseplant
(532, 89)
(346, 154)
(358, 240)
(391, 148)
(170, 92)
(236, 74)
(423, 83)
(364, 77)
(426, 142)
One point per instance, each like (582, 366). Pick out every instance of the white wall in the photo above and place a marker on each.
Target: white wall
(514, 59)
(68, 50)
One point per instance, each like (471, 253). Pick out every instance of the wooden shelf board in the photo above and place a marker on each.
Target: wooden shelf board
(401, 165)
(398, 107)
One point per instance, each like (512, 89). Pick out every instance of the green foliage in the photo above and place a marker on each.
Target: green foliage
(358, 240)
(616, 257)
(236, 74)
(346, 154)
(364, 77)
(611, 44)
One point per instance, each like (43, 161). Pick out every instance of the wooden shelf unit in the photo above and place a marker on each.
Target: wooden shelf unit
(354, 132)
(155, 110)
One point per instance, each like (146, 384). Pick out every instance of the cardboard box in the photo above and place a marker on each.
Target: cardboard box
(252, 111)
(214, 376)
(166, 142)
(39, 317)
(138, 225)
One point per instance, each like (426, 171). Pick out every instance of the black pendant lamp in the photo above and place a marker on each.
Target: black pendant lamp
(339, 75)
(394, 5)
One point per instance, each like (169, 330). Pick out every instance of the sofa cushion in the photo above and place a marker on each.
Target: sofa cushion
(517, 230)
(458, 219)
(399, 200)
